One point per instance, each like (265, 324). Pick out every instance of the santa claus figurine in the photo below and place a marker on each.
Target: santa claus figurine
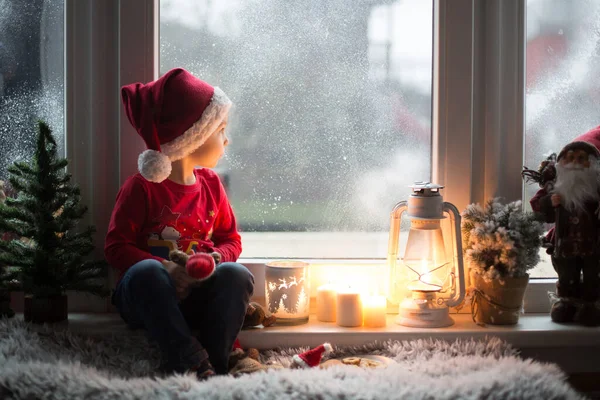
(572, 205)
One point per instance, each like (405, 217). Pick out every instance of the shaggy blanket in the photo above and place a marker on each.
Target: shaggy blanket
(43, 363)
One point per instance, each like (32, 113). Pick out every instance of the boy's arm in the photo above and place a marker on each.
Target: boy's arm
(121, 248)
(226, 238)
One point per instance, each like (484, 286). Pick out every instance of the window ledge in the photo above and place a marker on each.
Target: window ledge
(533, 330)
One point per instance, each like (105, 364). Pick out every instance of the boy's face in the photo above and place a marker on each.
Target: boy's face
(211, 151)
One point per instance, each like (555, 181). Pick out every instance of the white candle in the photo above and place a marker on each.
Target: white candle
(349, 308)
(326, 303)
(374, 309)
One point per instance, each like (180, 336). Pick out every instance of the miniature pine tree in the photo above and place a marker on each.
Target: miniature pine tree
(301, 305)
(501, 240)
(50, 256)
(281, 310)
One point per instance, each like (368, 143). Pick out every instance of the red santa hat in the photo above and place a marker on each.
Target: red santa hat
(592, 136)
(200, 266)
(312, 358)
(174, 115)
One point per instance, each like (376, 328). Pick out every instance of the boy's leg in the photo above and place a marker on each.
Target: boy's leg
(146, 297)
(217, 310)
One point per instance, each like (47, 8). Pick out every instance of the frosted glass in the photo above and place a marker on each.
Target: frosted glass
(332, 116)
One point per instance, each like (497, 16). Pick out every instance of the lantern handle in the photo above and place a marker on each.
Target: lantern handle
(395, 219)
(456, 221)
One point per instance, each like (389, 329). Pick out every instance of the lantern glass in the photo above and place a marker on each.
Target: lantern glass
(287, 291)
(425, 257)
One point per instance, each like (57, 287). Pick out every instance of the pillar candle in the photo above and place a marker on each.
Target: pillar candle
(349, 308)
(326, 303)
(374, 309)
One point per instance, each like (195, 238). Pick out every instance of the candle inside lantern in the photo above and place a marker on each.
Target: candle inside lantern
(426, 282)
(349, 308)
(326, 303)
(374, 310)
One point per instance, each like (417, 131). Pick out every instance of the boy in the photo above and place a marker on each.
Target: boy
(171, 205)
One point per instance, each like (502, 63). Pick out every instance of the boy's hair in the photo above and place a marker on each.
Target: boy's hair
(174, 115)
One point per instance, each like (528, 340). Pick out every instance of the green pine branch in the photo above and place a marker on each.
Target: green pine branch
(7, 259)
(17, 183)
(22, 170)
(18, 214)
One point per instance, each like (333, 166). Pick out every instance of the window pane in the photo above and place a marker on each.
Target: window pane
(332, 117)
(563, 89)
(31, 75)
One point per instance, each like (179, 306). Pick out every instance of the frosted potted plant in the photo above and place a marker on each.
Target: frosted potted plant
(501, 244)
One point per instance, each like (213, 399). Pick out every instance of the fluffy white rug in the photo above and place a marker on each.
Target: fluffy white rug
(38, 362)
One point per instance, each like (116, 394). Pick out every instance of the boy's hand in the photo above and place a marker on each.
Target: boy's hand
(183, 281)
(217, 257)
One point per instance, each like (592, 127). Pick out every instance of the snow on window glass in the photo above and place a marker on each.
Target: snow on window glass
(562, 81)
(31, 75)
(332, 104)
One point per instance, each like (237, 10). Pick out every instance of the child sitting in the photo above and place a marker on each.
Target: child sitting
(172, 205)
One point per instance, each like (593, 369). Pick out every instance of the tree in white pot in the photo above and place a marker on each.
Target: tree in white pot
(501, 244)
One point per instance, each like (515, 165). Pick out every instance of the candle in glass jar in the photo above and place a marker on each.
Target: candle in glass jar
(326, 303)
(374, 309)
(349, 308)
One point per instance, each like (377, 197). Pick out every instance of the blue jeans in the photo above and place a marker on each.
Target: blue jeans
(146, 298)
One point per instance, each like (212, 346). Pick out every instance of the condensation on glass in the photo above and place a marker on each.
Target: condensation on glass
(332, 117)
(31, 75)
(562, 85)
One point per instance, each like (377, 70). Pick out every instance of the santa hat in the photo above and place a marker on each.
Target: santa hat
(200, 266)
(237, 344)
(592, 136)
(312, 358)
(174, 115)
(579, 145)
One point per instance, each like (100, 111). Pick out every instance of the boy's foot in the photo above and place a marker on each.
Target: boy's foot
(204, 370)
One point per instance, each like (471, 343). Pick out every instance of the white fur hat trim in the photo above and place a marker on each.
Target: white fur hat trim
(197, 134)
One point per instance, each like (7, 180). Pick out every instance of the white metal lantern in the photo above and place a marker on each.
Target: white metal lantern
(287, 291)
(429, 278)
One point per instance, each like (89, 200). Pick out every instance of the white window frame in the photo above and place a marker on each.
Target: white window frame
(477, 110)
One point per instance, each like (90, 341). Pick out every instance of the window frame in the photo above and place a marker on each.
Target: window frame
(478, 102)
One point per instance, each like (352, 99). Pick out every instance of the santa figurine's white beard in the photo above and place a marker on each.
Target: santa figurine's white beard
(576, 185)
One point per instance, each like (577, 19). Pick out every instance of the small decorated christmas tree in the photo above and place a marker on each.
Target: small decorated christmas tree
(50, 256)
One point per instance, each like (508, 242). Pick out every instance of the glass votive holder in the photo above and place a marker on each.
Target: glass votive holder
(287, 291)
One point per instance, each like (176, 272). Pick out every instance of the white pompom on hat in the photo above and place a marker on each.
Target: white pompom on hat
(174, 115)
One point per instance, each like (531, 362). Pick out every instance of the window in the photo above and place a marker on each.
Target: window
(254, 60)
(332, 119)
(31, 75)
(562, 86)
